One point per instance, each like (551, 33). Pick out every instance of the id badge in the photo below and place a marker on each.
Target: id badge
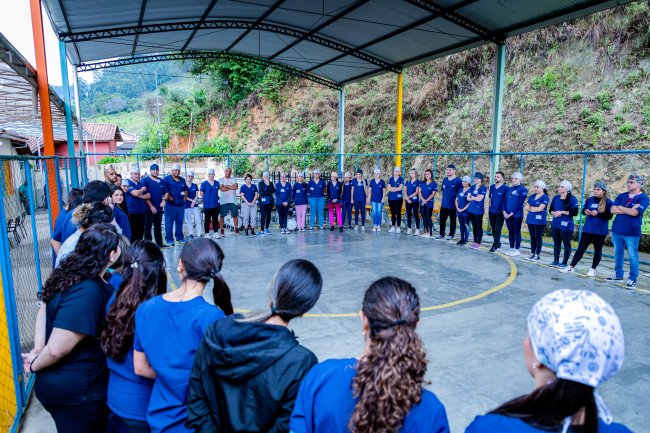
(564, 223)
(538, 217)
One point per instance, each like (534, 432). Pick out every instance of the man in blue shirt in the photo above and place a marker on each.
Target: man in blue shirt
(176, 192)
(450, 186)
(153, 215)
(137, 202)
(498, 193)
(626, 229)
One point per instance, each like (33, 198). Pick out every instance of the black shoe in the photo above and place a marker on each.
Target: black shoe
(614, 278)
(341, 229)
(493, 249)
(331, 228)
(163, 246)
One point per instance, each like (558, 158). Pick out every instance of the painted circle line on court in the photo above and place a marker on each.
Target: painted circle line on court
(506, 283)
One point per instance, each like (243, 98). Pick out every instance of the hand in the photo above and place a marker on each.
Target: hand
(143, 189)
(163, 203)
(285, 203)
(636, 206)
(153, 209)
(28, 358)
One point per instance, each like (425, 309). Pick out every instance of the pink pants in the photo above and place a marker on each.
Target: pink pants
(301, 210)
(331, 207)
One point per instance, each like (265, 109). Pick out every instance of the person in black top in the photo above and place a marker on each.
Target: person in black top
(70, 367)
(247, 370)
(266, 191)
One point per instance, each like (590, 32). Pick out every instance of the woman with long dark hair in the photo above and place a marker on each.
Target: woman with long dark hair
(428, 190)
(169, 328)
(71, 374)
(383, 390)
(563, 207)
(476, 209)
(121, 217)
(412, 196)
(267, 194)
(462, 204)
(248, 369)
(144, 277)
(574, 343)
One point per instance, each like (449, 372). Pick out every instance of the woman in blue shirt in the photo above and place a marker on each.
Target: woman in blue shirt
(428, 190)
(476, 209)
(377, 189)
(412, 196)
(192, 212)
(462, 204)
(563, 207)
(316, 193)
(300, 200)
(513, 212)
(360, 199)
(346, 199)
(144, 277)
(395, 200)
(597, 209)
(382, 390)
(536, 218)
(267, 193)
(169, 328)
(211, 207)
(283, 193)
(248, 193)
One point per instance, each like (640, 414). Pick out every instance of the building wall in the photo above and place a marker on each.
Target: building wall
(99, 147)
(6, 148)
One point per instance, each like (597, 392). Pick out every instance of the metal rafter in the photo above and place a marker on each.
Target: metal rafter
(143, 7)
(220, 55)
(227, 25)
(67, 25)
(203, 18)
(268, 12)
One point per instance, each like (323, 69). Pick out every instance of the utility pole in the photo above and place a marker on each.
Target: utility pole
(159, 130)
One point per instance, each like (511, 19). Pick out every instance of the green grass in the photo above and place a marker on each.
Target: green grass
(134, 122)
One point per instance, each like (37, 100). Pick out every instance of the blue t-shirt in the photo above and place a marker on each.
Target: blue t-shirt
(57, 232)
(155, 187)
(477, 207)
(347, 192)
(462, 200)
(492, 423)
(135, 205)
(377, 190)
(300, 193)
(169, 333)
(515, 199)
(210, 194)
(325, 403)
(316, 189)
(399, 182)
(359, 189)
(537, 218)
(68, 227)
(595, 224)
(626, 225)
(412, 188)
(283, 193)
(497, 198)
(191, 195)
(426, 189)
(564, 222)
(123, 221)
(449, 191)
(177, 190)
(248, 191)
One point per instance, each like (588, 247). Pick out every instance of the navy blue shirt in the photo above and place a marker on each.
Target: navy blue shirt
(450, 191)
(377, 190)
(123, 221)
(492, 423)
(135, 205)
(564, 222)
(599, 224)
(191, 195)
(334, 191)
(316, 190)
(462, 200)
(537, 218)
(283, 193)
(300, 193)
(176, 189)
(347, 192)
(359, 189)
(210, 194)
(477, 207)
(426, 189)
(497, 198)
(399, 182)
(248, 191)
(155, 187)
(626, 225)
(515, 199)
(68, 227)
(411, 188)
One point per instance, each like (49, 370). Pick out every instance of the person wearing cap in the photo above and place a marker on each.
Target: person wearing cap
(228, 186)
(175, 207)
(267, 194)
(249, 195)
(476, 209)
(574, 343)
(495, 212)
(395, 200)
(563, 207)
(360, 199)
(211, 206)
(316, 195)
(346, 199)
(462, 204)
(124, 184)
(428, 191)
(192, 212)
(334, 195)
(450, 186)
(626, 229)
(153, 216)
(300, 200)
(412, 197)
(377, 190)
(283, 193)
(137, 202)
(513, 212)
(536, 218)
(597, 209)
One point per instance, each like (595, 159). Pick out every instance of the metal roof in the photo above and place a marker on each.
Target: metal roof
(341, 41)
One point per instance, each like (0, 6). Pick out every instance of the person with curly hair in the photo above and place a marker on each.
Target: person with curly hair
(70, 367)
(382, 391)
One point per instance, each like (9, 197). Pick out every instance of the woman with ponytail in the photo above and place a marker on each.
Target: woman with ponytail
(248, 369)
(169, 328)
(574, 343)
(382, 391)
(144, 277)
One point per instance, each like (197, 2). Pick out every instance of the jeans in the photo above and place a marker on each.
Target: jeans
(335, 208)
(174, 216)
(283, 213)
(376, 212)
(477, 227)
(301, 211)
(193, 221)
(360, 209)
(316, 211)
(444, 213)
(631, 243)
(211, 216)
(412, 210)
(514, 231)
(561, 237)
(427, 224)
(155, 221)
(463, 222)
(536, 232)
(395, 212)
(496, 225)
(265, 216)
(347, 212)
(585, 240)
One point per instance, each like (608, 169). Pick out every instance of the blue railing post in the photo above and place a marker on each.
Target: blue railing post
(48, 199)
(356, 164)
(304, 163)
(582, 194)
(185, 164)
(57, 174)
(379, 162)
(472, 165)
(137, 162)
(521, 164)
(228, 160)
(32, 207)
(435, 163)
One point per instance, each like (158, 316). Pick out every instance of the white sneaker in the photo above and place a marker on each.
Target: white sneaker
(568, 269)
(591, 272)
(416, 232)
(407, 231)
(356, 228)
(391, 229)
(514, 253)
(378, 228)
(398, 230)
(363, 228)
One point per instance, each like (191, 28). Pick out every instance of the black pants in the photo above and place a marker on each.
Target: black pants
(265, 216)
(117, 424)
(136, 220)
(395, 212)
(360, 210)
(155, 221)
(585, 240)
(536, 238)
(514, 231)
(477, 227)
(211, 216)
(412, 210)
(561, 237)
(83, 418)
(283, 212)
(427, 224)
(346, 212)
(444, 213)
(496, 225)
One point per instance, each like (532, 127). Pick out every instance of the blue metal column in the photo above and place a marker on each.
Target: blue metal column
(341, 131)
(32, 207)
(499, 80)
(80, 137)
(68, 115)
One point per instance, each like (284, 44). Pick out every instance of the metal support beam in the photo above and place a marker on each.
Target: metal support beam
(77, 106)
(261, 19)
(398, 128)
(499, 81)
(74, 174)
(341, 132)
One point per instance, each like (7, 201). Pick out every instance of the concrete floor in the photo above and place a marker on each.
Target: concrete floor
(473, 335)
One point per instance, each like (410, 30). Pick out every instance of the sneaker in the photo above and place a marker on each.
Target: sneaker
(475, 246)
(555, 264)
(614, 278)
(260, 233)
(449, 238)
(267, 232)
(222, 233)
(563, 266)
(530, 257)
(350, 227)
(630, 284)
(311, 229)
(182, 242)
(341, 229)
(591, 272)
(356, 228)
(323, 228)
(568, 269)
(378, 228)
(398, 230)
(236, 232)
(439, 237)
(331, 228)
(407, 231)
(246, 231)
(514, 253)
(536, 258)
(363, 228)
(493, 249)
(416, 232)
(191, 237)
(391, 229)
(460, 242)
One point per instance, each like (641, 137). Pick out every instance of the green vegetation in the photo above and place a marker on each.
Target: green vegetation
(109, 160)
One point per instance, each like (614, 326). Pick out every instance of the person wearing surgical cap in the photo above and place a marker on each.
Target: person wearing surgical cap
(536, 219)
(137, 202)
(300, 200)
(563, 207)
(175, 208)
(211, 206)
(192, 212)
(346, 199)
(476, 209)
(267, 196)
(597, 210)
(574, 343)
(513, 212)
(395, 200)
(316, 194)
(462, 205)
(377, 190)
(626, 229)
